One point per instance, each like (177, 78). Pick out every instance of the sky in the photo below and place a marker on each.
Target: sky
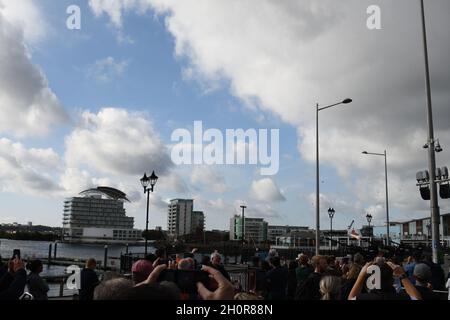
(98, 105)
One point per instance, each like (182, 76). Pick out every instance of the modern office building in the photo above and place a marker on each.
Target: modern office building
(198, 221)
(277, 231)
(418, 231)
(255, 229)
(182, 219)
(98, 216)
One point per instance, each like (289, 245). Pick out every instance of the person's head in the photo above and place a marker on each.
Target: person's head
(319, 263)
(275, 262)
(330, 288)
(186, 264)
(380, 260)
(303, 260)
(330, 261)
(273, 253)
(155, 291)
(112, 289)
(422, 273)
(345, 269)
(358, 259)
(141, 269)
(91, 263)
(292, 265)
(35, 266)
(353, 272)
(216, 258)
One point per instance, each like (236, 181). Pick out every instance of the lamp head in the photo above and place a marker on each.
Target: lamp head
(347, 101)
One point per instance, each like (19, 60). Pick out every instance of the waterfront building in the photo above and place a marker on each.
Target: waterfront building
(418, 231)
(255, 229)
(98, 216)
(277, 231)
(182, 219)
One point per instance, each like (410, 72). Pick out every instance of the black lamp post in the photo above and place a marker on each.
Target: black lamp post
(369, 220)
(331, 212)
(148, 183)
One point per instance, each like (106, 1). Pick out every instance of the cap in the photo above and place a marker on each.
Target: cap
(422, 271)
(143, 267)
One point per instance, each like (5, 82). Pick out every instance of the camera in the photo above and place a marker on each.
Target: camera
(186, 280)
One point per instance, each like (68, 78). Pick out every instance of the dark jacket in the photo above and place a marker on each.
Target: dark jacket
(276, 283)
(427, 293)
(89, 281)
(302, 273)
(437, 276)
(347, 288)
(310, 289)
(13, 286)
(37, 286)
(291, 284)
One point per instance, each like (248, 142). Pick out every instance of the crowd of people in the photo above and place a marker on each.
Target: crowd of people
(305, 278)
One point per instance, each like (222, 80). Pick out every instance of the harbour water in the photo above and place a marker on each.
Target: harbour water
(39, 249)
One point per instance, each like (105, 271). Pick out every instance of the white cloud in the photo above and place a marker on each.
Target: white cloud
(25, 16)
(107, 69)
(206, 177)
(266, 190)
(28, 107)
(117, 142)
(323, 52)
(29, 171)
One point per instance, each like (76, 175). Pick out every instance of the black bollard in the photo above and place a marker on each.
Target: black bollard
(49, 255)
(105, 260)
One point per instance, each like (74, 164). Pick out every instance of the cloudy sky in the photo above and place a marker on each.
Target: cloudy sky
(97, 106)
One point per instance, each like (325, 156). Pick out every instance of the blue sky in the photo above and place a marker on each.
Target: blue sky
(170, 72)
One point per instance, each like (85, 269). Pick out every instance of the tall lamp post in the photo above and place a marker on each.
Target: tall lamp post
(434, 205)
(242, 225)
(318, 108)
(331, 212)
(148, 184)
(369, 220)
(387, 193)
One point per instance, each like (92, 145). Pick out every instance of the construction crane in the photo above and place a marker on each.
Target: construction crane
(351, 224)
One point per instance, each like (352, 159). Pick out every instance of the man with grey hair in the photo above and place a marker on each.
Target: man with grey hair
(112, 289)
(216, 264)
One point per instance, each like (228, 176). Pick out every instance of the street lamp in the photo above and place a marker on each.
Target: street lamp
(434, 205)
(242, 225)
(331, 212)
(148, 184)
(387, 193)
(369, 218)
(346, 101)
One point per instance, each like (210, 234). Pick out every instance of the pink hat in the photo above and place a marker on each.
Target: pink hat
(142, 267)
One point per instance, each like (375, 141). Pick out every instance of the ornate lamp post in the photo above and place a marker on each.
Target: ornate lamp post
(148, 184)
(331, 212)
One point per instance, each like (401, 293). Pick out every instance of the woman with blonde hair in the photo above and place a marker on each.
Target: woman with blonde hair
(330, 288)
